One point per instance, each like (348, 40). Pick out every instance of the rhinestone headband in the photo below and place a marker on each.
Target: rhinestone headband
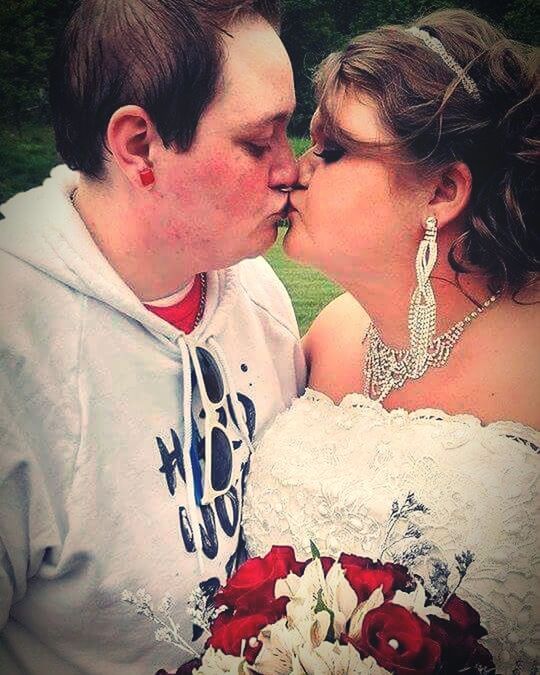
(437, 46)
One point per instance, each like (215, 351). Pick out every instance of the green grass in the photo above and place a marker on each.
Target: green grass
(310, 291)
(27, 158)
(299, 145)
(29, 155)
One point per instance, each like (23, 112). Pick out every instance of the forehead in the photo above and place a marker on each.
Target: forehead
(257, 82)
(350, 114)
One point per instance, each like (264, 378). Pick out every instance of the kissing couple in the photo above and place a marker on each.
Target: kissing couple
(161, 418)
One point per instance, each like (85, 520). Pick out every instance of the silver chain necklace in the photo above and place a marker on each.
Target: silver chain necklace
(202, 301)
(386, 368)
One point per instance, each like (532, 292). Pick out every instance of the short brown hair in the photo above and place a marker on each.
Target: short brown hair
(164, 55)
(435, 121)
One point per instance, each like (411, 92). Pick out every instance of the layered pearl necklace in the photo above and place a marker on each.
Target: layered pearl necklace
(386, 368)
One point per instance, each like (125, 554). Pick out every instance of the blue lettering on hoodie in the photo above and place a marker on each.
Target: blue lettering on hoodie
(225, 510)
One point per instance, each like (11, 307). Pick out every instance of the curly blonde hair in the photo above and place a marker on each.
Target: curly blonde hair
(435, 121)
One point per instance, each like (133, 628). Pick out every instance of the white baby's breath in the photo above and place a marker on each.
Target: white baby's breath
(166, 604)
(168, 630)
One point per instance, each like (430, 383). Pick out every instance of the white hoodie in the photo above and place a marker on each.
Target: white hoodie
(93, 496)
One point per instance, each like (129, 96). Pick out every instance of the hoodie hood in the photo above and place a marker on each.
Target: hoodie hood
(43, 229)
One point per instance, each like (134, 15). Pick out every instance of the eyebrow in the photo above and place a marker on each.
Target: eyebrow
(280, 117)
(339, 135)
(329, 127)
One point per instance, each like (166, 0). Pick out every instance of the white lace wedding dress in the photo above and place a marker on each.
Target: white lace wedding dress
(336, 473)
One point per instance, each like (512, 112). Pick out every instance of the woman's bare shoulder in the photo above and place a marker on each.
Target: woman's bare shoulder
(334, 349)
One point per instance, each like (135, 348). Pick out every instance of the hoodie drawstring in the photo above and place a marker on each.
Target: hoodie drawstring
(188, 353)
(186, 451)
(238, 413)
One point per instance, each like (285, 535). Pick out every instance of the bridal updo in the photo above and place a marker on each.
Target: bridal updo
(435, 120)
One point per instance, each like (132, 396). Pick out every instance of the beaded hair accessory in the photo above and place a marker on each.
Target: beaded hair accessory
(437, 46)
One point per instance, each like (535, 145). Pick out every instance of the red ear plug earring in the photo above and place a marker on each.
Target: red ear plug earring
(147, 177)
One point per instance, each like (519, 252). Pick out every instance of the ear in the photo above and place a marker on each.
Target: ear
(451, 193)
(130, 135)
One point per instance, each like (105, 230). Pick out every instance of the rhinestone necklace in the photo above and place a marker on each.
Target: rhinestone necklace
(386, 368)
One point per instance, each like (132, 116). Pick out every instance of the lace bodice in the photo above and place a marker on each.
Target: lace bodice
(418, 488)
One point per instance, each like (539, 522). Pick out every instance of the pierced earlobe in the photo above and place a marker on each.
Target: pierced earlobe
(147, 177)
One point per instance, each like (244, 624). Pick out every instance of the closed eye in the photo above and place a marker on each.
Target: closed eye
(330, 153)
(256, 150)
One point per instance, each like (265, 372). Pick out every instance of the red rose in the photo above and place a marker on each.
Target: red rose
(465, 616)
(229, 631)
(326, 563)
(458, 637)
(251, 588)
(364, 575)
(398, 640)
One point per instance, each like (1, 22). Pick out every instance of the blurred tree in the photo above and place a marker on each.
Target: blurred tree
(309, 33)
(28, 29)
(311, 29)
(521, 21)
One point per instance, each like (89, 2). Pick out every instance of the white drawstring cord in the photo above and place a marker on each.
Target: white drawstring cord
(188, 347)
(239, 414)
(186, 451)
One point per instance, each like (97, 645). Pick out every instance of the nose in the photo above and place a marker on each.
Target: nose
(284, 172)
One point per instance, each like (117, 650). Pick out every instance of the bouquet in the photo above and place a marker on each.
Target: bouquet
(277, 615)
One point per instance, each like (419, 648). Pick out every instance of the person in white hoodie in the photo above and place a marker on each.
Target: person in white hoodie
(143, 343)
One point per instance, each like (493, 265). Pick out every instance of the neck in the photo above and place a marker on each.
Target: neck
(386, 297)
(118, 222)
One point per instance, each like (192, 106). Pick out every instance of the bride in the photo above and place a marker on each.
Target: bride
(417, 438)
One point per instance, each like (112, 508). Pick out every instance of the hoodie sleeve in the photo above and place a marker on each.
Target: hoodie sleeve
(30, 497)
(39, 429)
(27, 528)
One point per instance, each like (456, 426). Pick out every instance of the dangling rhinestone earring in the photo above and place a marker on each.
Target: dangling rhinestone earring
(423, 309)
(386, 368)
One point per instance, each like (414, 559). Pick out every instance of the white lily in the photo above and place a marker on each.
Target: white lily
(278, 644)
(215, 662)
(306, 586)
(415, 601)
(339, 597)
(336, 593)
(303, 592)
(335, 659)
(375, 600)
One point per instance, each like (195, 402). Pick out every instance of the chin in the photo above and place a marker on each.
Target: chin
(266, 237)
(292, 246)
(258, 242)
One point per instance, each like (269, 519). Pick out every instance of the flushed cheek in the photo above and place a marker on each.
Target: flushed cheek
(234, 189)
(250, 194)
